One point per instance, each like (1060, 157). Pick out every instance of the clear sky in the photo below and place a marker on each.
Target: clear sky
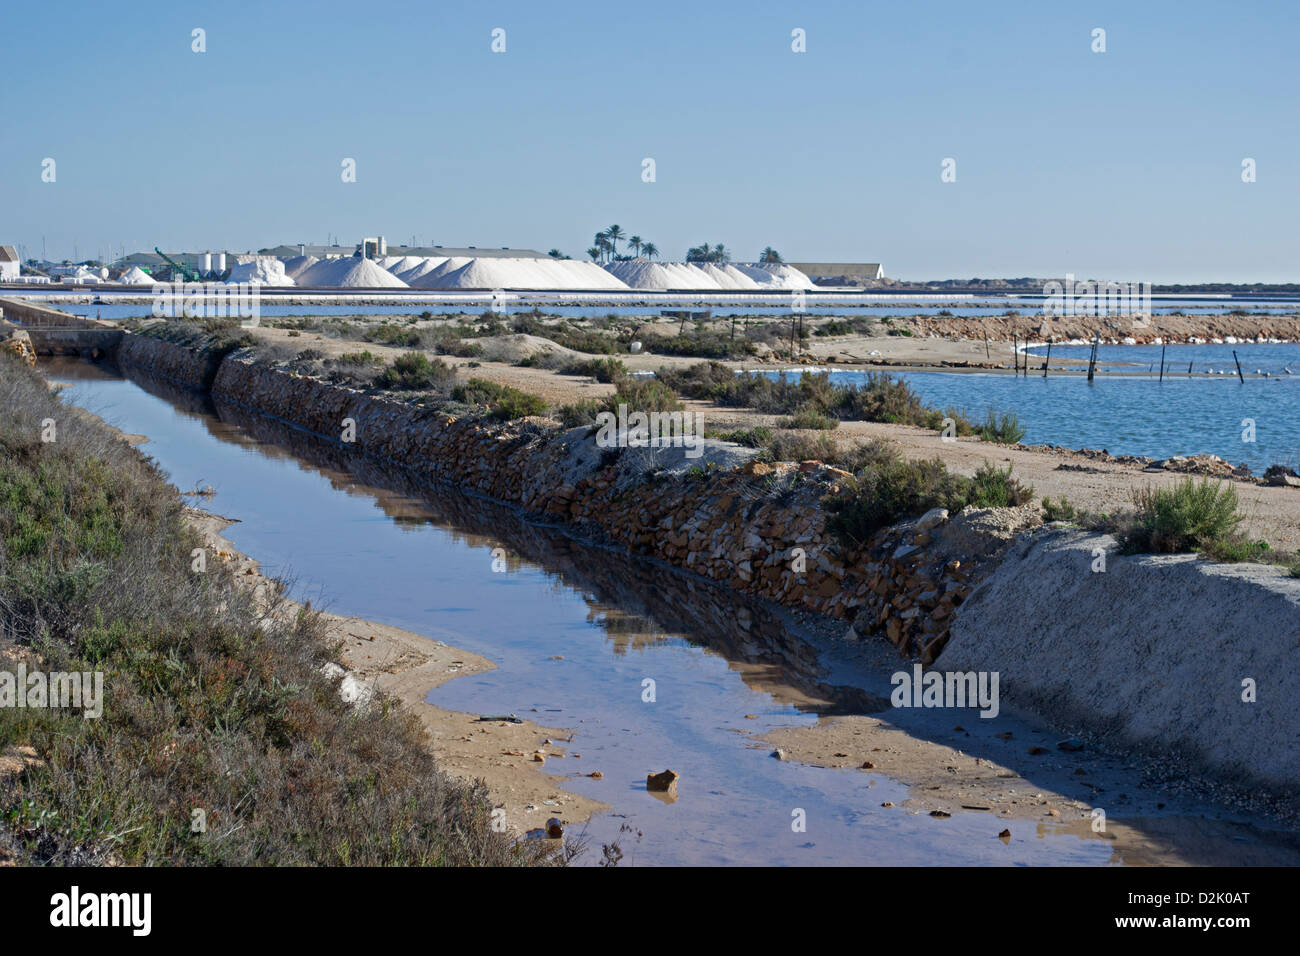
(1124, 165)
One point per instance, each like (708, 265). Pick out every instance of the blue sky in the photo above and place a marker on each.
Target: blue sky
(1123, 165)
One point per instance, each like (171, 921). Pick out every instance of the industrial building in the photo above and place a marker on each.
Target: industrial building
(10, 267)
(849, 271)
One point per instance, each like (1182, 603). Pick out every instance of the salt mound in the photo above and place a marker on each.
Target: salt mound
(421, 269)
(399, 264)
(586, 275)
(727, 276)
(644, 274)
(776, 275)
(136, 276)
(262, 271)
(352, 272)
(298, 265)
(512, 273)
(429, 280)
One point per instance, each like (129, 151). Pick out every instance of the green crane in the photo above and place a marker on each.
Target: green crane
(186, 274)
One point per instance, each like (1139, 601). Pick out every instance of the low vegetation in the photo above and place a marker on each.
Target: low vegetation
(882, 398)
(889, 488)
(211, 702)
(1191, 516)
(504, 402)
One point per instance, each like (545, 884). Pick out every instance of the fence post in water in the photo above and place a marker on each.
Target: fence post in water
(1189, 368)
(1015, 352)
(1045, 361)
(1238, 361)
(1162, 361)
(987, 356)
(1092, 359)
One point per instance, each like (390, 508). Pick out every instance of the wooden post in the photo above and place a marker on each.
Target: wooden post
(1162, 361)
(987, 356)
(1092, 359)
(1238, 361)
(1015, 352)
(1189, 368)
(1046, 360)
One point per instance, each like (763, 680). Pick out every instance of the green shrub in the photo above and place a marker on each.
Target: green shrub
(505, 403)
(1058, 510)
(579, 413)
(1004, 429)
(888, 488)
(994, 488)
(759, 436)
(889, 491)
(414, 371)
(1190, 516)
(807, 416)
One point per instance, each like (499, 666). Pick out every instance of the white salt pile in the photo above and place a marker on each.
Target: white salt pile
(429, 278)
(297, 265)
(352, 272)
(777, 275)
(264, 270)
(420, 269)
(708, 276)
(399, 264)
(492, 272)
(136, 276)
(659, 276)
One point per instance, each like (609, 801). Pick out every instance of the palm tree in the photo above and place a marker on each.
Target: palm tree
(719, 254)
(770, 255)
(614, 234)
(635, 243)
(595, 253)
(606, 246)
(650, 249)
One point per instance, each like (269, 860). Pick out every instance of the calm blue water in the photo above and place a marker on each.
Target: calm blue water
(1132, 415)
(1204, 359)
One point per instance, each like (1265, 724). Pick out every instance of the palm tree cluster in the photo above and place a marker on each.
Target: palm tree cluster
(706, 253)
(606, 247)
(770, 255)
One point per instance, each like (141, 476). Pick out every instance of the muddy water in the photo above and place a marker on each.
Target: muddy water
(578, 630)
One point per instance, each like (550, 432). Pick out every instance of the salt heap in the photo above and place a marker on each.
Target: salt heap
(399, 264)
(420, 269)
(493, 272)
(777, 275)
(297, 265)
(264, 270)
(429, 278)
(136, 276)
(352, 272)
(659, 276)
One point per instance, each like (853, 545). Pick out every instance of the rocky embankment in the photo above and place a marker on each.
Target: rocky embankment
(758, 528)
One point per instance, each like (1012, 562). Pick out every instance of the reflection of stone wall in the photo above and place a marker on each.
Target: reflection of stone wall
(760, 529)
(176, 363)
(637, 603)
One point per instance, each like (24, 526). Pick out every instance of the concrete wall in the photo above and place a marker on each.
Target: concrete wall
(1150, 653)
